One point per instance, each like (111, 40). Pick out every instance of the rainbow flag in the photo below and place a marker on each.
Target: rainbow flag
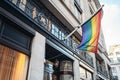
(90, 33)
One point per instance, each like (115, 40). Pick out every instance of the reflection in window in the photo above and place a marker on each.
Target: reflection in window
(13, 64)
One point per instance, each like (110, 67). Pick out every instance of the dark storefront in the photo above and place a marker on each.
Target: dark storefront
(58, 66)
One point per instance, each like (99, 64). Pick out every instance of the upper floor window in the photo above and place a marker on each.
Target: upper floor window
(118, 59)
(91, 8)
(20, 3)
(91, 11)
(117, 53)
(111, 59)
(55, 30)
(114, 69)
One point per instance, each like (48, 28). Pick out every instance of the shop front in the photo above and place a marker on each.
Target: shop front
(14, 50)
(57, 65)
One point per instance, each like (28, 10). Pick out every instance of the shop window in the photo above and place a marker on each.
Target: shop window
(66, 77)
(13, 64)
(66, 66)
(85, 74)
(48, 70)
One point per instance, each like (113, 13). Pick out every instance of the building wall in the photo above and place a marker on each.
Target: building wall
(36, 68)
(114, 54)
(45, 47)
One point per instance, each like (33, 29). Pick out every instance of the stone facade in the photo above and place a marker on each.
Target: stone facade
(40, 27)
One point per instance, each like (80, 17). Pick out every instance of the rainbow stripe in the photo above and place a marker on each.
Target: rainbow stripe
(90, 33)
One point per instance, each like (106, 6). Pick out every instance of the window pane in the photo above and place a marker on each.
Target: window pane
(13, 65)
(82, 73)
(66, 77)
(111, 59)
(22, 4)
(89, 76)
(15, 1)
(114, 69)
(55, 30)
(118, 59)
(117, 53)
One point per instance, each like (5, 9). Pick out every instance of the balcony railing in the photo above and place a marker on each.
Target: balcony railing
(43, 18)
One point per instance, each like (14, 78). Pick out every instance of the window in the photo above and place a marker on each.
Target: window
(91, 11)
(66, 77)
(89, 76)
(20, 3)
(13, 64)
(85, 74)
(117, 53)
(114, 69)
(82, 72)
(111, 59)
(69, 42)
(118, 59)
(66, 66)
(55, 30)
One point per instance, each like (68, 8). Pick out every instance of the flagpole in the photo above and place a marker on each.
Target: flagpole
(77, 27)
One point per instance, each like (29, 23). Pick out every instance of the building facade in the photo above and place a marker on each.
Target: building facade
(114, 55)
(32, 45)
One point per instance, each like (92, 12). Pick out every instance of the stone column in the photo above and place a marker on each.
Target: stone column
(76, 70)
(36, 66)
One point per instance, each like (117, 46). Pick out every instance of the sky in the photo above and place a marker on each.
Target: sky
(111, 22)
